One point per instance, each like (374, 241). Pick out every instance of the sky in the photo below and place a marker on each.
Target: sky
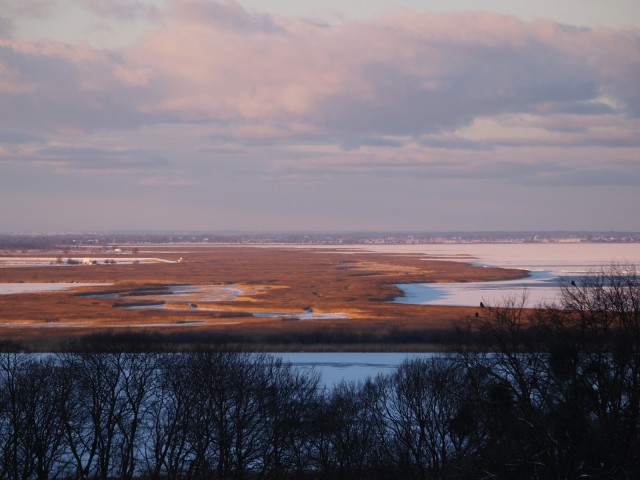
(282, 115)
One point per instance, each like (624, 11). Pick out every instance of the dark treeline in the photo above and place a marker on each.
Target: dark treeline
(556, 395)
(335, 337)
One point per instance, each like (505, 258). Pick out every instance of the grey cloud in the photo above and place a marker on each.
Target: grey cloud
(6, 27)
(414, 113)
(80, 151)
(592, 177)
(61, 92)
(625, 83)
(68, 109)
(346, 141)
(229, 15)
(546, 173)
(122, 9)
(92, 158)
(581, 108)
(456, 143)
(569, 141)
(28, 8)
(355, 142)
(485, 83)
(222, 150)
(481, 166)
(243, 143)
(18, 138)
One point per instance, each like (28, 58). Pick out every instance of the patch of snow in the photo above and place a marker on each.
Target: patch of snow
(13, 288)
(8, 262)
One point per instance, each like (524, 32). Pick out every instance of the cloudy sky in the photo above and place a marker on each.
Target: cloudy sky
(307, 115)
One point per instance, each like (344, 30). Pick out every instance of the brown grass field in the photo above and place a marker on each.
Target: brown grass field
(275, 279)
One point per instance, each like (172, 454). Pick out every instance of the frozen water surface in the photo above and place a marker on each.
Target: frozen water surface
(335, 367)
(548, 264)
(539, 288)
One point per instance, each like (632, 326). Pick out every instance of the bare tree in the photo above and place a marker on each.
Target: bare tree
(92, 408)
(286, 402)
(422, 401)
(349, 431)
(173, 410)
(14, 451)
(560, 392)
(31, 426)
(594, 362)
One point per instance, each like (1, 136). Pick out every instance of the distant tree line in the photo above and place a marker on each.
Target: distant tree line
(71, 240)
(553, 394)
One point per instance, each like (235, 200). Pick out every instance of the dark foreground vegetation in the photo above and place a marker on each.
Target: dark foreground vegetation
(556, 395)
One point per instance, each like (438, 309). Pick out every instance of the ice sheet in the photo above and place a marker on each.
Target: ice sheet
(335, 367)
(549, 264)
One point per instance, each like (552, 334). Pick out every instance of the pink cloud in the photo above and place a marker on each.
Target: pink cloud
(387, 94)
(406, 73)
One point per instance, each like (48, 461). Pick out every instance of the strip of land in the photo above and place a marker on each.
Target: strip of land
(260, 298)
